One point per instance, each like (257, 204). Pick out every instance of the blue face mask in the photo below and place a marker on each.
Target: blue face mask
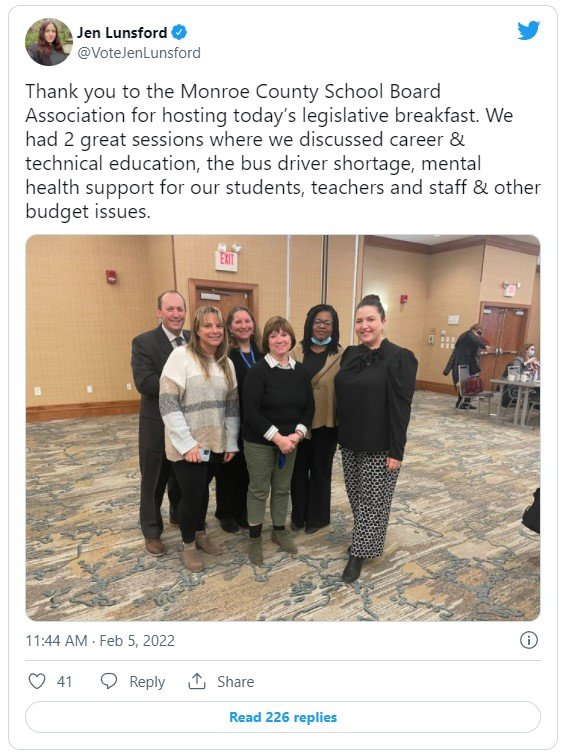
(321, 343)
(531, 353)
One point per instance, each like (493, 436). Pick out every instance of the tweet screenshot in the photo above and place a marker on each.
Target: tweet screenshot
(282, 296)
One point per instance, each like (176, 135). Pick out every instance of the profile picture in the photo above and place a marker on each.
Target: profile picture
(48, 42)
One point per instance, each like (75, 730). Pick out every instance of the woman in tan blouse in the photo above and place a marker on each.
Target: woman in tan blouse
(311, 483)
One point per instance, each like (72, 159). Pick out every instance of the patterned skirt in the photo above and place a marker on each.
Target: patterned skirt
(369, 488)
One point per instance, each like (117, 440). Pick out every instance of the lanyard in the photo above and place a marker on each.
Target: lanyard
(251, 361)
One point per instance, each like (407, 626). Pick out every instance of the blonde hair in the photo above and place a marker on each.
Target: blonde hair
(221, 354)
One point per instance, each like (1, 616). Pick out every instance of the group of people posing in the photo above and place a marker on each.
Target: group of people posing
(263, 415)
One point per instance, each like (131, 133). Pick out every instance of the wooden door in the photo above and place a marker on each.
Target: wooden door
(223, 295)
(505, 328)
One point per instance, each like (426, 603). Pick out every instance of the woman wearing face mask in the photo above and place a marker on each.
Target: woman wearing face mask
(466, 352)
(526, 360)
(527, 364)
(374, 390)
(311, 483)
(232, 479)
(47, 51)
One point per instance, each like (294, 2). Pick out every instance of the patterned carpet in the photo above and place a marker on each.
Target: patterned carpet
(456, 549)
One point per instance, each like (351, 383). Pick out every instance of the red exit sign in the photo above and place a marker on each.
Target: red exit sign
(226, 261)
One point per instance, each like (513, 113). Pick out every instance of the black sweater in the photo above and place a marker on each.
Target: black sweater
(374, 390)
(274, 396)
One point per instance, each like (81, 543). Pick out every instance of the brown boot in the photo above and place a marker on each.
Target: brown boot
(190, 558)
(285, 540)
(155, 547)
(206, 543)
(254, 550)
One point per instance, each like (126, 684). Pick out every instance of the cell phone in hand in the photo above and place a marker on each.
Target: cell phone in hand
(205, 454)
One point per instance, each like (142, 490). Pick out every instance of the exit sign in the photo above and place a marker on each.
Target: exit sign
(226, 261)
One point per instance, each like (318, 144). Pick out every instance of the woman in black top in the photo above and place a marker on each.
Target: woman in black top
(278, 409)
(466, 352)
(232, 479)
(47, 51)
(374, 390)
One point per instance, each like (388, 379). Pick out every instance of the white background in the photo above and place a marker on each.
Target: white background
(476, 55)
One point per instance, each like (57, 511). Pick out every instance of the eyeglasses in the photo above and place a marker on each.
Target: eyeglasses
(326, 323)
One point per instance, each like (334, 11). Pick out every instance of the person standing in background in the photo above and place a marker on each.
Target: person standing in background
(466, 352)
(150, 351)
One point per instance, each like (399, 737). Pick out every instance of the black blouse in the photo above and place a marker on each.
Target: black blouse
(242, 369)
(374, 390)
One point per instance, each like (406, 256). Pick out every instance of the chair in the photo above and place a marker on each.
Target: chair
(534, 404)
(464, 375)
(508, 391)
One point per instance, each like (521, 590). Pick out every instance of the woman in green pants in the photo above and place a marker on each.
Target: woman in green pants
(278, 410)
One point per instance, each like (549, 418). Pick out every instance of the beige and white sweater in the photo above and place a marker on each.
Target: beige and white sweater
(196, 409)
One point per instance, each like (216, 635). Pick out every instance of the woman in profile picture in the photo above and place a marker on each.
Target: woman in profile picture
(47, 51)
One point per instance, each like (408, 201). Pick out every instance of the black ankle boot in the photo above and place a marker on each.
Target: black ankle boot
(352, 569)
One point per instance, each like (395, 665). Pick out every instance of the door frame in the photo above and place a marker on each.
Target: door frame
(218, 286)
(506, 306)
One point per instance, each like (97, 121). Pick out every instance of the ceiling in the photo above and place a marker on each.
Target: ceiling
(431, 239)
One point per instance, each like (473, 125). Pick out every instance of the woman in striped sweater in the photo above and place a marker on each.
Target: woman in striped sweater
(199, 407)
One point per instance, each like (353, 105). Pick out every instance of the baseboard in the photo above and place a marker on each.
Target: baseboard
(86, 409)
(99, 409)
(440, 388)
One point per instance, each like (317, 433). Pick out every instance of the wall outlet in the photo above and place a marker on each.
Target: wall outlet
(129, 387)
(37, 390)
(89, 389)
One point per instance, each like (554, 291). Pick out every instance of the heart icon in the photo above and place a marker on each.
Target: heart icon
(37, 681)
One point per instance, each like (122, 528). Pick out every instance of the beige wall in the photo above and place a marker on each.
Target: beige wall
(390, 273)
(453, 289)
(534, 333)
(263, 260)
(504, 265)
(341, 267)
(79, 328)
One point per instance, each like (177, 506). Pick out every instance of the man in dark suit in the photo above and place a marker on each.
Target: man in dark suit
(150, 352)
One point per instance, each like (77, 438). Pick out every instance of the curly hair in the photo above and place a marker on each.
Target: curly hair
(334, 345)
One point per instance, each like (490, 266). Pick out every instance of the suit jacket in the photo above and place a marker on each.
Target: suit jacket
(150, 352)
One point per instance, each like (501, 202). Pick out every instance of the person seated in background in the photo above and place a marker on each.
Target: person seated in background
(528, 365)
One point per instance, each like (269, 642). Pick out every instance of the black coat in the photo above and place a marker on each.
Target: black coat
(465, 353)
(150, 352)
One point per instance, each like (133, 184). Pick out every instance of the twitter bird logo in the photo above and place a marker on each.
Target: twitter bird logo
(529, 31)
